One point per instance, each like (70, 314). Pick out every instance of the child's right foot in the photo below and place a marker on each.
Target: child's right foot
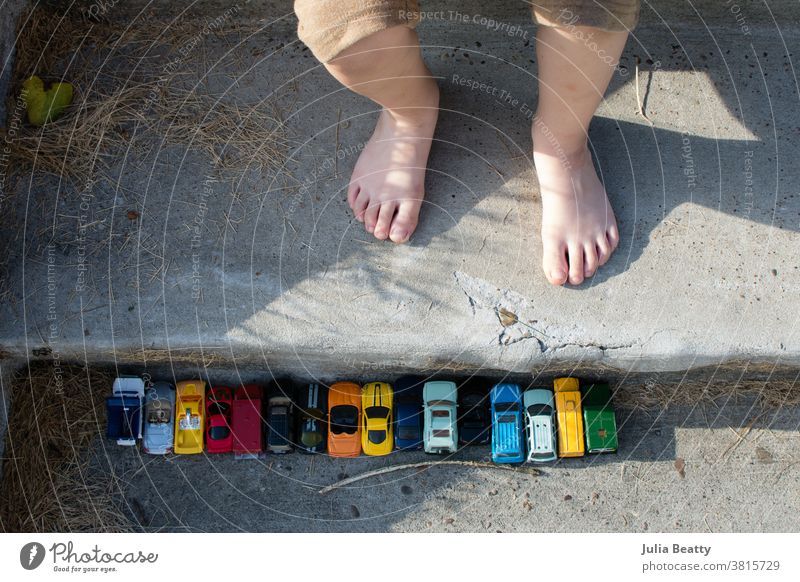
(388, 181)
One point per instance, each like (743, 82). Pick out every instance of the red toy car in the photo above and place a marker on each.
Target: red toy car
(219, 438)
(247, 425)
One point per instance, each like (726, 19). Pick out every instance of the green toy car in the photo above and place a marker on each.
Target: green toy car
(600, 426)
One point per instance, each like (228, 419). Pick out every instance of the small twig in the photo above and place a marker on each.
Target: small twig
(336, 149)
(638, 98)
(425, 465)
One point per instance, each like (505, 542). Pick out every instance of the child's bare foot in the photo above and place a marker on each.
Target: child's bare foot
(579, 231)
(388, 181)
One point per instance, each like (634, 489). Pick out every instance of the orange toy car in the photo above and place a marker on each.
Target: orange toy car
(344, 420)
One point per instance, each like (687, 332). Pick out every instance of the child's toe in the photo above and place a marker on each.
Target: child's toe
(603, 249)
(385, 215)
(613, 236)
(360, 205)
(576, 265)
(554, 263)
(371, 216)
(405, 221)
(590, 260)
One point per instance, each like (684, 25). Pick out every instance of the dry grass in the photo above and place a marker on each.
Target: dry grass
(130, 84)
(52, 421)
(775, 393)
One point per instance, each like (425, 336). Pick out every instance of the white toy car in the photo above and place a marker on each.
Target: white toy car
(159, 419)
(440, 431)
(540, 425)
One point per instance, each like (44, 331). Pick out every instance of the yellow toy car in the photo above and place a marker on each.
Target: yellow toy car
(570, 421)
(376, 419)
(189, 412)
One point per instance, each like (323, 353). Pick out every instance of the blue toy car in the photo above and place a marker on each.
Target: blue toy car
(508, 444)
(408, 413)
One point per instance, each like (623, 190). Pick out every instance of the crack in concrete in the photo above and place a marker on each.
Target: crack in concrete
(510, 308)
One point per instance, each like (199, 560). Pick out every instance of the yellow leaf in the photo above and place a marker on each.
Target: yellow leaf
(45, 106)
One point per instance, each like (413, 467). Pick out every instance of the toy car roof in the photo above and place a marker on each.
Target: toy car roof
(474, 385)
(535, 396)
(408, 388)
(565, 384)
(248, 392)
(280, 388)
(163, 391)
(597, 395)
(505, 393)
(440, 390)
(312, 396)
(128, 386)
(190, 389)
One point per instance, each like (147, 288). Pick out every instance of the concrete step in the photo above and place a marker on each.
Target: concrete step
(269, 271)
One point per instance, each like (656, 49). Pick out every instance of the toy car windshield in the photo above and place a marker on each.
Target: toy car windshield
(218, 408)
(377, 412)
(344, 419)
(440, 413)
(376, 437)
(539, 409)
(506, 406)
(409, 433)
(219, 432)
(311, 435)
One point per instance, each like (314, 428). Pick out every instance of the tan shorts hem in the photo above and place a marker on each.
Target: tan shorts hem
(329, 27)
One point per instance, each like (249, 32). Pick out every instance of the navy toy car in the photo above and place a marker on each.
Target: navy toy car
(408, 413)
(280, 418)
(474, 420)
(508, 445)
(124, 411)
(312, 418)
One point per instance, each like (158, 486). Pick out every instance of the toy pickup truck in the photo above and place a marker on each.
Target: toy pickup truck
(600, 425)
(570, 423)
(246, 423)
(508, 445)
(124, 410)
(440, 432)
(540, 424)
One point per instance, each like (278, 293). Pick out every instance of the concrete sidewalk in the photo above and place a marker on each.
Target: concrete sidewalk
(707, 468)
(281, 277)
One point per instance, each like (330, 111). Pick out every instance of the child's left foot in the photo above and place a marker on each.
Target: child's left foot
(579, 230)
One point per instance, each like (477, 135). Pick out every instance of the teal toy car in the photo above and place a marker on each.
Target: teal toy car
(440, 430)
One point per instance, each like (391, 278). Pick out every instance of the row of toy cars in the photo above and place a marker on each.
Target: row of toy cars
(537, 425)
(563, 422)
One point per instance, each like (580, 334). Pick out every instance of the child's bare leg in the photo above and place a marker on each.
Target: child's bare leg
(579, 231)
(387, 185)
